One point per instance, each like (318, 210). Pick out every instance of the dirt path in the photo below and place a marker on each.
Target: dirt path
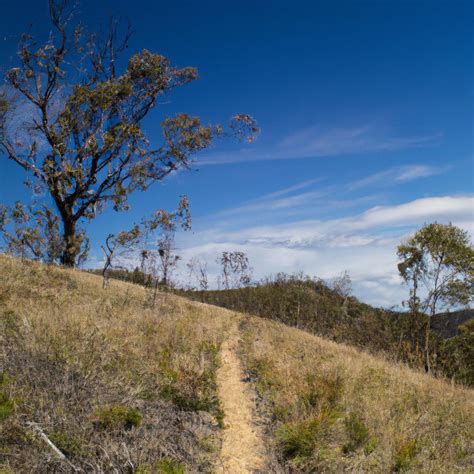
(243, 450)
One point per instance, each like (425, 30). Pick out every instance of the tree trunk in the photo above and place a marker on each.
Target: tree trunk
(69, 255)
(427, 346)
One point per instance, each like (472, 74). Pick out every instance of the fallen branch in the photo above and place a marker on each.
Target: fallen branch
(38, 430)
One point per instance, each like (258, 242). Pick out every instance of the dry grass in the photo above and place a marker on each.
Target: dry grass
(116, 386)
(120, 387)
(333, 408)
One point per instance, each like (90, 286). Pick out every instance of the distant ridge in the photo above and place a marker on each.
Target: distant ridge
(446, 325)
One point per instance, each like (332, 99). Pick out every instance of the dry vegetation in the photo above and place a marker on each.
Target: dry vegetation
(121, 387)
(332, 408)
(116, 386)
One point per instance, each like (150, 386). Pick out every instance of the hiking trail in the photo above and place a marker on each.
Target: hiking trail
(243, 448)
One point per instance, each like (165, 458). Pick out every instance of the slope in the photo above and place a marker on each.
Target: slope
(115, 385)
(311, 305)
(119, 386)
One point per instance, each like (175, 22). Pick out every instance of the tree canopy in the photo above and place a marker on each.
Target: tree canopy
(71, 118)
(437, 262)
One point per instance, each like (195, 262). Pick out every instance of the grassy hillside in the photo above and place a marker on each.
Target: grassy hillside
(310, 305)
(333, 408)
(113, 384)
(118, 386)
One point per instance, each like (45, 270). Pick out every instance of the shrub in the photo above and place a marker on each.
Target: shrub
(6, 403)
(117, 417)
(6, 406)
(192, 389)
(299, 439)
(324, 391)
(69, 445)
(457, 355)
(405, 454)
(163, 466)
(357, 433)
(168, 466)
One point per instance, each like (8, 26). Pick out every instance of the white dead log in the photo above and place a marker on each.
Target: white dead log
(37, 428)
(39, 431)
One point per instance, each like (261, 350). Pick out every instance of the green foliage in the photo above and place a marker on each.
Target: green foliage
(7, 405)
(163, 466)
(457, 355)
(405, 455)
(31, 232)
(68, 444)
(438, 265)
(370, 446)
(299, 439)
(116, 417)
(136, 276)
(4, 378)
(439, 258)
(168, 466)
(91, 149)
(357, 433)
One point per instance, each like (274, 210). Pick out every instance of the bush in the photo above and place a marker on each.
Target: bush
(163, 466)
(299, 439)
(6, 403)
(457, 355)
(6, 406)
(69, 445)
(405, 455)
(117, 417)
(357, 433)
(324, 391)
(193, 389)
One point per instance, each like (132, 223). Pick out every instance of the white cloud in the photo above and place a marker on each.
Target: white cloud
(291, 189)
(316, 142)
(409, 173)
(364, 244)
(396, 175)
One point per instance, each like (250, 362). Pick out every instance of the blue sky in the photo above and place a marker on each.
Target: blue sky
(366, 111)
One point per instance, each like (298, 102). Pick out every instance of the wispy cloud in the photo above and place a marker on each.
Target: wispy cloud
(316, 142)
(396, 175)
(275, 204)
(409, 173)
(363, 243)
(292, 189)
(328, 197)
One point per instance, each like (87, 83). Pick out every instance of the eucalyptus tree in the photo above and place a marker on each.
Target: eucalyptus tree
(71, 117)
(236, 270)
(437, 262)
(127, 243)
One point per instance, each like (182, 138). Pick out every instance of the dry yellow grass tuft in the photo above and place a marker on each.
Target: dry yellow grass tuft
(112, 383)
(333, 408)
